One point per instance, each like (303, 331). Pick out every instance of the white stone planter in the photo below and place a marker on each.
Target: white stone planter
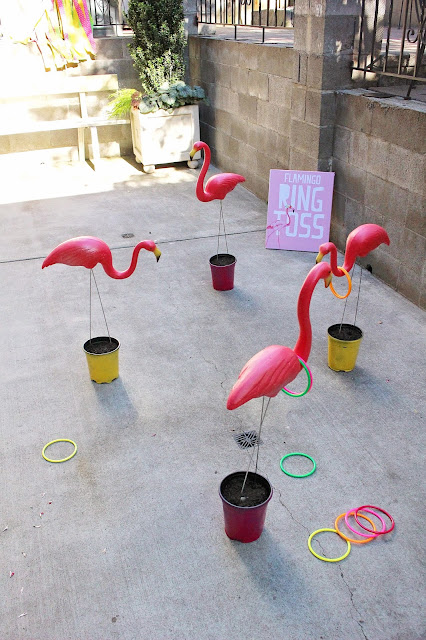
(162, 137)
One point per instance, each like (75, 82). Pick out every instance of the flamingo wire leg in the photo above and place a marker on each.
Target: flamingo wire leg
(346, 302)
(262, 417)
(221, 222)
(90, 305)
(359, 291)
(102, 306)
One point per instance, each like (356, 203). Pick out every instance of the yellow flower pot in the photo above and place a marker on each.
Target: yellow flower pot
(343, 346)
(102, 358)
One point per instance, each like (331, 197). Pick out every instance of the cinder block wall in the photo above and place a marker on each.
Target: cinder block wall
(377, 148)
(380, 164)
(247, 121)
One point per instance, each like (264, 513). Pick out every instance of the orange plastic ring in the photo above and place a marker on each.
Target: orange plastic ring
(349, 285)
(351, 539)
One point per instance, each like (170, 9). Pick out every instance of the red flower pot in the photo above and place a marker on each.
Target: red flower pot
(245, 521)
(222, 266)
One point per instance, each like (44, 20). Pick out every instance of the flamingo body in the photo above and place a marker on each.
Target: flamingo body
(359, 243)
(271, 369)
(87, 251)
(265, 374)
(218, 186)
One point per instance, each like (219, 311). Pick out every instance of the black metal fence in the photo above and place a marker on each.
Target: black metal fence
(396, 52)
(266, 14)
(108, 15)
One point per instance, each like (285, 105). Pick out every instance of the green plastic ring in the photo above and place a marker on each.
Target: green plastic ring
(309, 386)
(293, 475)
(59, 440)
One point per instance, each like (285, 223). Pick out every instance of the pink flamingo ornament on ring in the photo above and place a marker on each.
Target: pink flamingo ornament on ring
(359, 243)
(218, 186)
(87, 251)
(266, 373)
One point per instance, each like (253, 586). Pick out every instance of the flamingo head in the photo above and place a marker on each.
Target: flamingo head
(327, 279)
(197, 147)
(324, 250)
(151, 246)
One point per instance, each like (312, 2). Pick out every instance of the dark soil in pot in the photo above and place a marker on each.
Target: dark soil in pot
(256, 490)
(101, 345)
(222, 260)
(347, 332)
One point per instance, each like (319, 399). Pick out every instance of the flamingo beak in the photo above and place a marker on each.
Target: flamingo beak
(157, 253)
(192, 153)
(327, 280)
(319, 257)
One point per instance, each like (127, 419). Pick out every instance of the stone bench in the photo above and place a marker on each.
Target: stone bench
(58, 103)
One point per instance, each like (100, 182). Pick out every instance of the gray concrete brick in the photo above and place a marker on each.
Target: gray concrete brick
(298, 102)
(239, 80)
(263, 164)
(388, 119)
(300, 67)
(258, 85)
(349, 180)
(305, 137)
(194, 45)
(261, 138)
(338, 235)
(354, 214)
(416, 217)
(378, 157)
(407, 284)
(338, 208)
(247, 107)
(280, 91)
(341, 144)
(248, 55)
(302, 161)
(358, 149)
(416, 256)
(384, 266)
(223, 120)
(353, 112)
(235, 126)
(407, 169)
(224, 75)
(283, 151)
(275, 60)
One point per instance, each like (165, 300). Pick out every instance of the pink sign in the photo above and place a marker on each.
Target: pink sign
(299, 209)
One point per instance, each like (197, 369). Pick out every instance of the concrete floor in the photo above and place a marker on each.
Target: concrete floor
(130, 544)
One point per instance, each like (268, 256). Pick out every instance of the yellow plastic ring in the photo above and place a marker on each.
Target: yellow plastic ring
(322, 557)
(59, 440)
(332, 289)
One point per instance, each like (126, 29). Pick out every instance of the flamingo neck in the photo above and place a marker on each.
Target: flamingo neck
(350, 257)
(120, 275)
(332, 250)
(201, 194)
(303, 345)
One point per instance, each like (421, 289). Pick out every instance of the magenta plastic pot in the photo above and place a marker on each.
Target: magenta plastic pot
(222, 266)
(245, 523)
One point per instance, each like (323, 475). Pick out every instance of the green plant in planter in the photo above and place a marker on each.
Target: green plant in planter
(167, 97)
(157, 50)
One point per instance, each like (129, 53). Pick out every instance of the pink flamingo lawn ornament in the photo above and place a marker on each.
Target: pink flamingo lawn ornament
(266, 373)
(217, 187)
(359, 243)
(271, 369)
(87, 251)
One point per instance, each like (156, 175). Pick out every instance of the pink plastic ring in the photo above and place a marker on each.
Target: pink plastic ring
(364, 535)
(380, 533)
